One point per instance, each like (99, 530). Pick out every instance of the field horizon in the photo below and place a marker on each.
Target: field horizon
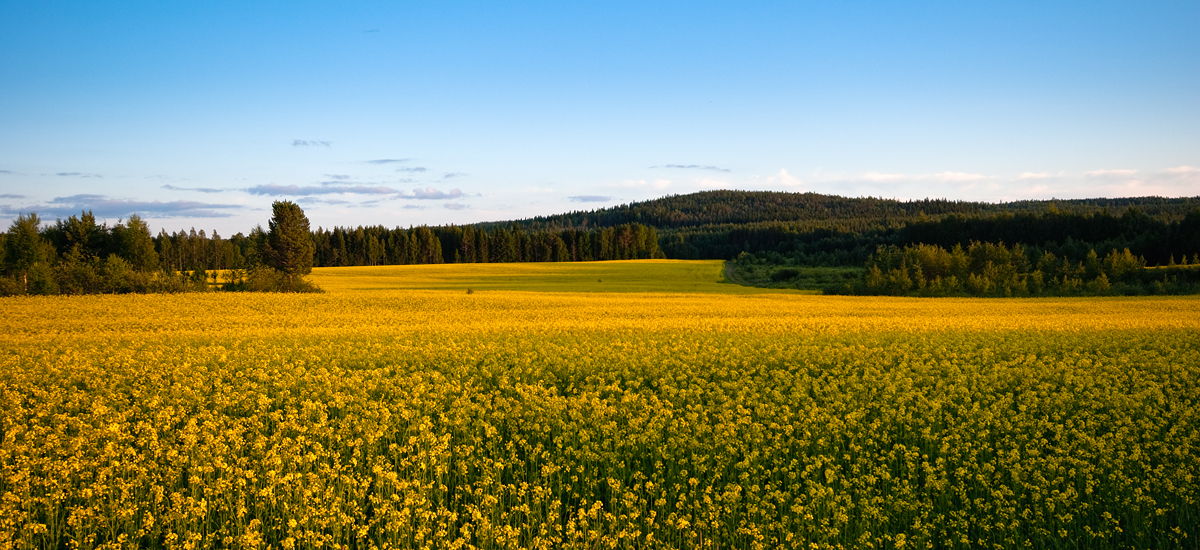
(651, 275)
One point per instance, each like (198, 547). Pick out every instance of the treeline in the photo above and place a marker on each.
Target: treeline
(469, 244)
(993, 269)
(810, 229)
(78, 256)
(1157, 239)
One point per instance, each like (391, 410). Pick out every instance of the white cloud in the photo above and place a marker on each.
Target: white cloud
(940, 177)
(957, 177)
(1180, 172)
(430, 193)
(785, 179)
(883, 178)
(1110, 174)
(1033, 176)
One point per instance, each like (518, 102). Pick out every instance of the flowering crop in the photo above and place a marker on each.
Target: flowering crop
(499, 419)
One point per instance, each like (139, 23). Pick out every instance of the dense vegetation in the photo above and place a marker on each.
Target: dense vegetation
(764, 230)
(985, 269)
(438, 419)
(469, 244)
(79, 256)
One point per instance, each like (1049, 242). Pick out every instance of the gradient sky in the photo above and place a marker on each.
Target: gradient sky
(200, 114)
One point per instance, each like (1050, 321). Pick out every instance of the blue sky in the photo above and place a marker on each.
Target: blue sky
(200, 114)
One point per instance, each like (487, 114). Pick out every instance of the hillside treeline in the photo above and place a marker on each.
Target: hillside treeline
(810, 229)
(987, 269)
(734, 208)
(1067, 234)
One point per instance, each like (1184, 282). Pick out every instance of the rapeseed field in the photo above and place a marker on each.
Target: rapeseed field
(384, 415)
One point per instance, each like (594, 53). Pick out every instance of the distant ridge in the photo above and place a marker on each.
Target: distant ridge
(756, 207)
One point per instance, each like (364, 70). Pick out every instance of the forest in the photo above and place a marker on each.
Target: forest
(788, 230)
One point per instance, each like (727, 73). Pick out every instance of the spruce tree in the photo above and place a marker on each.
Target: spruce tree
(289, 241)
(24, 247)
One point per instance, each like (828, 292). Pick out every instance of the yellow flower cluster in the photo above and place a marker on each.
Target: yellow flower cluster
(431, 419)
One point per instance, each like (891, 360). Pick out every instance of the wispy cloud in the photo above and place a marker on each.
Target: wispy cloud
(878, 177)
(956, 177)
(371, 30)
(1178, 181)
(316, 200)
(11, 196)
(413, 207)
(783, 178)
(105, 207)
(940, 177)
(454, 206)
(385, 161)
(1181, 175)
(411, 169)
(693, 167)
(310, 143)
(273, 189)
(1110, 174)
(197, 189)
(590, 198)
(7, 172)
(449, 175)
(337, 176)
(1169, 182)
(430, 193)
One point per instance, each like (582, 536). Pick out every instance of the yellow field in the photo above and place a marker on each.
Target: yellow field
(511, 419)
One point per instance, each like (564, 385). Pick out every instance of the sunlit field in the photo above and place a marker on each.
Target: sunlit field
(615, 276)
(669, 409)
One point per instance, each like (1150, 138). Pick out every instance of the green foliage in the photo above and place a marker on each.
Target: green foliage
(26, 253)
(289, 241)
(137, 246)
(370, 246)
(756, 271)
(992, 269)
(785, 274)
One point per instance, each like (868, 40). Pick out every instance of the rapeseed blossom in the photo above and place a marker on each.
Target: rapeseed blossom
(436, 419)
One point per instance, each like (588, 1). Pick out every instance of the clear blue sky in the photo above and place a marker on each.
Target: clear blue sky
(404, 113)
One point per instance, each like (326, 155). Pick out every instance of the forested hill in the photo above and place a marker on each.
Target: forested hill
(854, 214)
(827, 230)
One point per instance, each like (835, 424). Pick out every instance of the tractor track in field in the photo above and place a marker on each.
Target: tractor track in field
(731, 275)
